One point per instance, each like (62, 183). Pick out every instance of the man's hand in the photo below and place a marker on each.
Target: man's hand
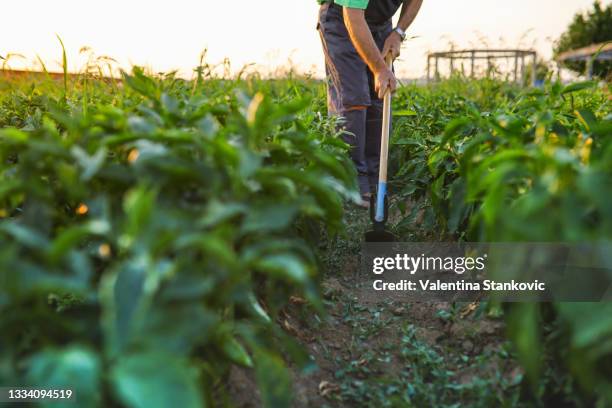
(393, 43)
(383, 79)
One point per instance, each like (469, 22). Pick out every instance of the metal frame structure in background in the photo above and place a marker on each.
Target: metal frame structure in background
(484, 54)
(594, 52)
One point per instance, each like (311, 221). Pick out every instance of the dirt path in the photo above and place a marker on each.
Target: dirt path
(372, 350)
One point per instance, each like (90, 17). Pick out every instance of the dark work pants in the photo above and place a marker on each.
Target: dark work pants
(350, 83)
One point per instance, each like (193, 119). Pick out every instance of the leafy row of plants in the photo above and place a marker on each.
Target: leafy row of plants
(484, 161)
(150, 230)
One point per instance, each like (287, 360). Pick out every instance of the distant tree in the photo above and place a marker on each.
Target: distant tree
(593, 27)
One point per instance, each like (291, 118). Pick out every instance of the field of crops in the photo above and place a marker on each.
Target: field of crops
(484, 162)
(156, 232)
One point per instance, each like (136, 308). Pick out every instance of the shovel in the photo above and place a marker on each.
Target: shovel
(379, 205)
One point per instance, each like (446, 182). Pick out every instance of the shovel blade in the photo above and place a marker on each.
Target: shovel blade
(379, 235)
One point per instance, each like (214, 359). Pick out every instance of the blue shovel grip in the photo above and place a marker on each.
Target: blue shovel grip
(380, 201)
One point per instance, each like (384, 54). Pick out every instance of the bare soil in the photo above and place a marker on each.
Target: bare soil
(373, 350)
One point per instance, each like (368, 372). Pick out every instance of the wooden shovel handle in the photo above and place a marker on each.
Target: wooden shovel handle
(384, 151)
(386, 126)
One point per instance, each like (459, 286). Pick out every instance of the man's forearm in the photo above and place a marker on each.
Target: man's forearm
(410, 9)
(361, 37)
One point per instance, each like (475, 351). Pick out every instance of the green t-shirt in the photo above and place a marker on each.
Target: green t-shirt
(376, 12)
(360, 4)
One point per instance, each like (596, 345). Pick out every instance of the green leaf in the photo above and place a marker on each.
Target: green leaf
(217, 212)
(602, 129)
(274, 380)
(141, 83)
(25, 235)
(139, 207)
(250, 162)
(436, 159)
(76, 368)
(524, 330)
(74, 236)
(453, 127)
(156, 380)
(178, 328)
(405, 112)
(590, 323)
(587, 118)
(141, 126)
(578, 86)
(213, 245)
(256, 308)
(89, 164)
(235, 351)
(271, 217)
(8, 187)
(457, 208)
(170, 103)
(14, 135)
(128, 296)
(208, 125)
(286, 266)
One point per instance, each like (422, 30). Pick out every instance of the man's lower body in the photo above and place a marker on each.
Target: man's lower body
(351, 94)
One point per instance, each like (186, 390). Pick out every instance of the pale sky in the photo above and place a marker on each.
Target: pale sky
(170, 35)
